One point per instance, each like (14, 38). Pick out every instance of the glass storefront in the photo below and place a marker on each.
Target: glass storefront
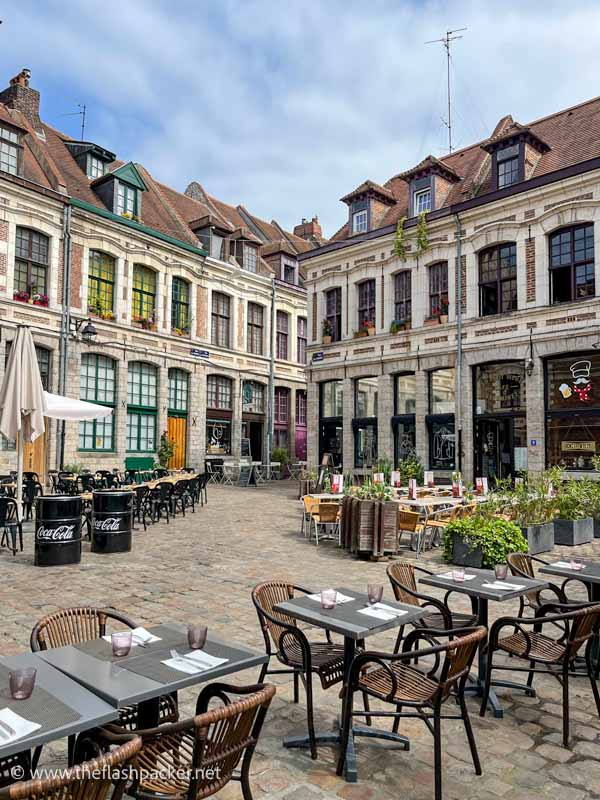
(218, 437)
(573, 411)
(365, 422)
(403, 421)
(440, 420)
(331, 416)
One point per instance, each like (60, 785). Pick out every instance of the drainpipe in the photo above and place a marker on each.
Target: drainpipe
(64, 331)
(458, 408)
(271, 404)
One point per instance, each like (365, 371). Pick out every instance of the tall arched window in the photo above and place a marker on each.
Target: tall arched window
(572, 263)
(31, 262)
(180, 306)
(144, 296)
(101, 284)
(142, 385)
(97, 385)
(498, 279)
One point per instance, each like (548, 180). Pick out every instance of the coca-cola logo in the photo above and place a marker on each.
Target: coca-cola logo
(107, 524)
(62, 533)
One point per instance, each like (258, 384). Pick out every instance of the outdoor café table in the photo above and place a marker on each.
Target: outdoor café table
(346, 620)
(140, 677)
(473, 586)
(58, 704)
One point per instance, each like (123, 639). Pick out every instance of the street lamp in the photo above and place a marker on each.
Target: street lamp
(87, 330)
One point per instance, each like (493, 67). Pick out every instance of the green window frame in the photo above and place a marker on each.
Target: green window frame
(144, 294)
(180, 306)
(142, 395)
(127, 199)
(31, 261)
(98, 382)
(179, 390)
(101, 284)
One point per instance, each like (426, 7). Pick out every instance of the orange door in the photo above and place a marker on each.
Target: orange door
(34, 456)
(177, 433)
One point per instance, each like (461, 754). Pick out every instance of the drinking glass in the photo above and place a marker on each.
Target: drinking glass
(328, 598)
(196, 636)
(121, 643)
(501, 571)
(374, 593)
(576, 562)
(458, 575)
(21, 682)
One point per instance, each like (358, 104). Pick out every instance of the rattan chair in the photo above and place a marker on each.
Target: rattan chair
(390, 678)
(92, 779)
(439, 616)
(286, 642)
(521, 564)
(547, 654)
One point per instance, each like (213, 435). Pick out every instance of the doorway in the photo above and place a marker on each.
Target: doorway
(177, 433)
(34, 455)
(255, 434)
(501, 447)
(331, 439)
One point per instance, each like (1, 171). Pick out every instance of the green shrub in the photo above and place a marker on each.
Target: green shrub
(573, 500)
(496, 537)
(280, 455)
(411, 468)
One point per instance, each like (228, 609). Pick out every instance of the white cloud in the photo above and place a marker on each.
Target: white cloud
(285, 107)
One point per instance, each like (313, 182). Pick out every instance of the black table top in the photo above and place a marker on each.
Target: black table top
(344, 618)
(120, 686)
(589, 574)
(475, 588)
(92, 709)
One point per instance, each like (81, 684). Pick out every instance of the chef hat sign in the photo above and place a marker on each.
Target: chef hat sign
(582, 384)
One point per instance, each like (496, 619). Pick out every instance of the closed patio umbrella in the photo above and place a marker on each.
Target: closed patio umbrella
(22, 401)
(59, 407)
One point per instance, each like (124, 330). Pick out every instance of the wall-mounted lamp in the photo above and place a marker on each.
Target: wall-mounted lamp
(83, 326)
(529, 362)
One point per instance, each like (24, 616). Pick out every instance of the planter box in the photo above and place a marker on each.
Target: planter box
(326, 339)
(572, 532)
(431, 321)
(463, 555)
(597, 528)
(540, 538)
(373, 526)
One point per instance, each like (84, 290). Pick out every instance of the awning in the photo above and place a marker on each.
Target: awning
(59, 407)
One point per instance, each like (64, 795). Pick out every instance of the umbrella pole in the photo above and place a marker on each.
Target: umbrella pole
(19, 497)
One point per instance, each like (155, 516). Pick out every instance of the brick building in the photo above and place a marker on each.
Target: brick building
(189, 298)
(455, 315)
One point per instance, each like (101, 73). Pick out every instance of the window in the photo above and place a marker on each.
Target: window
(500, 388)
(440, 421)
(442, 391)
(332, 399)
(498, 280)
(97, 385)
(180, 306)
(178, 390)
(282, 335)
(360, 222)
(218, 392)
(96, 167)
(31, 262)
(402, 299)
(220, 319)
(255, 329)
(406, 394)
(508, 172)
(289, 273)
(127, 199)
(301, 344)
(438, 289)
(366, 303)
(365, 397)
(281, 405)
(141, 407)
(333, 312)
(144, 295)
(9, 150)
(101, 284)
(300, 407)
(422, 201)
(250, 259)
(572, 263)
(253, 398)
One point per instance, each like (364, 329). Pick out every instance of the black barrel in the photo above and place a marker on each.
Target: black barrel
(57, 530)
(112, 521)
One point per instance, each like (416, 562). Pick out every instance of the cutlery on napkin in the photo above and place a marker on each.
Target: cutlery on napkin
(450, 577)
(140, 637)
(339, 598)
(193, 662)
(509, 587)
(382, 611)
(13, 726)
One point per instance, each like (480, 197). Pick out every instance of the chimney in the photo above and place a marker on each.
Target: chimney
(22, 97)
(311, 231)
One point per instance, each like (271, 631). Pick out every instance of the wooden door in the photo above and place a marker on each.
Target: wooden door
(34, 456)
(177, 433)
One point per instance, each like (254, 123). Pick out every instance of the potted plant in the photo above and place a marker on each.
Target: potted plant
(326, 331)
(183, 331)
(411, 468)
(532, 509)
(146, 323)
(384, 465)
(443, 310)
(362, 331)
(368, 326)
(166, 448)
(433, 318)
(22, 297)
(573, 524)
(481, 541)
(398, 325)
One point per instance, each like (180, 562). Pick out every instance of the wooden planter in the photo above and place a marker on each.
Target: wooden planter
(361, 334)
(373, 526)
(596, 528)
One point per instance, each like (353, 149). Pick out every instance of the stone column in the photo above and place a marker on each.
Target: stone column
(385, 411)
(236, 418)
(313, 423)
(464, 400)
(292, 424)
(421, 410)
(162, 402)
(196, 439)
(120, 422)
(348, 432)
(536, 453)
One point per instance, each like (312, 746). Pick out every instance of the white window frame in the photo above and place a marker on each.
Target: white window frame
(96, 167)
(419, 196)
(9, 151)
(360, 221)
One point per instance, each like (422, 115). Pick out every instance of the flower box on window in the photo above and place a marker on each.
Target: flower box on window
(367, 328)
(41, 300)
(22, 297)
(399, 325)
(429, 321)
(359, 334)
(185, 331)
(146, 323)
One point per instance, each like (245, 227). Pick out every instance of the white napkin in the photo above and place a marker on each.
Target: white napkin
(21, 726)
(382, 611)
(502, 585)
(139, 636)
(450, 577)
(203, 661)
(562, 564)
(339, 598)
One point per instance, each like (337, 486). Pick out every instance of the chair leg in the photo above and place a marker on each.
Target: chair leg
(399, 639)
(488, 681)
(437, 755)
(565, 698)
(310, 717)
(469, 731)
(367, 706)
(531, 674)
(396, 725)
(593, 679)
(263, 672)
(296, 687)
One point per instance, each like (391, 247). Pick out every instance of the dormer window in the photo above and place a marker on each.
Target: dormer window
(127, 202)
(121, 191)
(508, 166)
(92, 158)
(422, 201)
(96, 167)
(515, 151)
(250, 258)
(9, 150)
(360, 222)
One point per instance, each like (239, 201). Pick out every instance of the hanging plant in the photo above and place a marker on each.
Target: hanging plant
(399, 243)
(422, 233)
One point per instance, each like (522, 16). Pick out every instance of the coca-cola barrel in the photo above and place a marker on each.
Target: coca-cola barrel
(57, 530)
(112, 522)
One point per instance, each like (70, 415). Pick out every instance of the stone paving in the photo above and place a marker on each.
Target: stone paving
(203, 567)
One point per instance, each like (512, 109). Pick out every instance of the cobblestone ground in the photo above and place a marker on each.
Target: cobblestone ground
(203, 567)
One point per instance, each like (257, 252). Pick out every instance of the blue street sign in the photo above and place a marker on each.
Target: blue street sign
(533, 442)
(317, 356)
(199, 353)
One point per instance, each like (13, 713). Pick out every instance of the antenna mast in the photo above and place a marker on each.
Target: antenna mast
(446, 40)
(82, 106)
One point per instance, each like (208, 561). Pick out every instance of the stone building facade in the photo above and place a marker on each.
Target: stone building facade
(189, 299)
(508, 377)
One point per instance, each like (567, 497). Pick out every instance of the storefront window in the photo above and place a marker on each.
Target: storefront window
(441, 443)
(218, 437)
(440, 421)
(253, 399)
(331, 411)
(442, 391)
(406, 394)
(501, 388)
(332, 399)
(365, 444)
(365, 399)
(404, 440)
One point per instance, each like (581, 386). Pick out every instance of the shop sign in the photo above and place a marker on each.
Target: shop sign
(579, 447)
(581, 384)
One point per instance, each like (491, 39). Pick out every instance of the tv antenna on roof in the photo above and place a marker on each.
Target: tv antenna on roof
(447, 40)
(81, 113)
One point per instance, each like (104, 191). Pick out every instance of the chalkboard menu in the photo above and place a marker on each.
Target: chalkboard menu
(246, 449)
(247, 475)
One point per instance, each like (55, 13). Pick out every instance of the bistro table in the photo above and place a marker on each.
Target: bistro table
(65, 707)
(346, 620)
(473, 586)
(140, 677)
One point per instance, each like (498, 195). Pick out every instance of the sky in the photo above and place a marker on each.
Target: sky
(286, 106)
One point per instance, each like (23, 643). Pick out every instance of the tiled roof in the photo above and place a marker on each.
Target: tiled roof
(368, 186)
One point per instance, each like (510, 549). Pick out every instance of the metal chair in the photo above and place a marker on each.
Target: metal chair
(10, 524)
(327, 516)
(31, 490)
(409, 522)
